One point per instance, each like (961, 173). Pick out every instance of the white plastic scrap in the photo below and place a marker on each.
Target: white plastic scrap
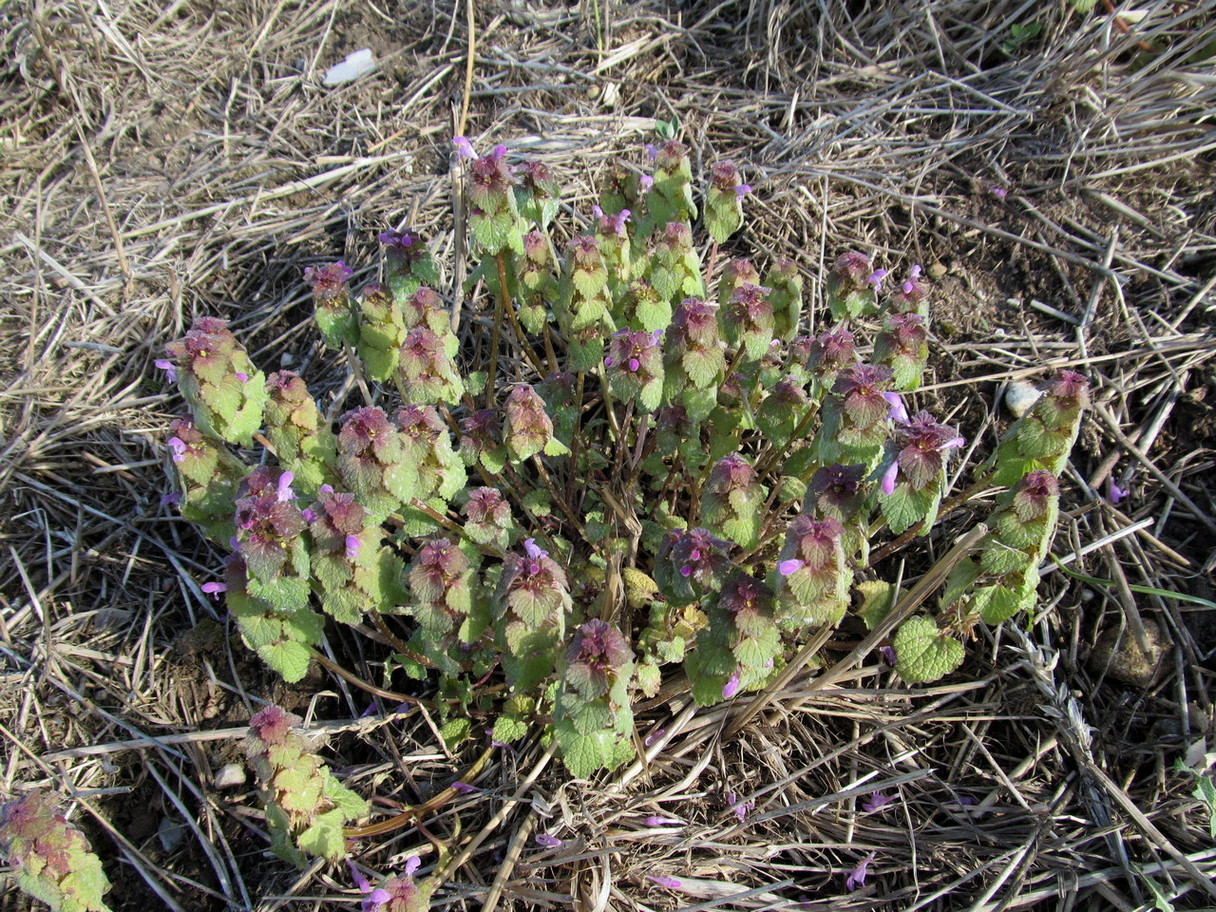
(356, 64)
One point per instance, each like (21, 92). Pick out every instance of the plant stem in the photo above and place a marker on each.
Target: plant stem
(505, 299)
(765, 462)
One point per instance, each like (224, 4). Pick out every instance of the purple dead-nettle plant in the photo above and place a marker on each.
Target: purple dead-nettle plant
(50, 859)
(592, 718)
(690, 564)
(732, 500)
(785, 283)
(747, 321)
(528, 429)
(304, 443)
(735, 274)
(635, 367)
(332, 302)
(694, 360)
(443, 589)
(784, 408)
(225, 391)
(531, 604)
(828, 354)
(724, 201)
(372, 463)
(605, 474)
(408, 264)
(353, 570)
(538, 193)
(854, 427)
(911, 295)
(738, 649)
(675, 268)
(903, 346)
(481, 440)
(427, 446)
(812, 577)
(851, 286)
(488, 519)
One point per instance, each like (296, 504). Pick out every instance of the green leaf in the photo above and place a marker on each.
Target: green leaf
(586, 754)
(1000, 603)
(284, 595)
(585, 715)
(455, 730)
(650, 678)
(703, 367)
(323, 839)
(288, 658)
(903, 507)
(722, 221)
(877, 598)
(509, 728)
(352, 805)
(923, 653)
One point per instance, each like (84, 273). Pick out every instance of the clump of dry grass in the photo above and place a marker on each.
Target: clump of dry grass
(163, 161)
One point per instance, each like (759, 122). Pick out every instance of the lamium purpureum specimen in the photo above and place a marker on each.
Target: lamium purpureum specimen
(50, 859)
(661, 467)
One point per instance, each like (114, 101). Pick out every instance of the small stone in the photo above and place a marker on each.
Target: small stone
(230, 775)
(937, 270)
(1020, 395)
(1118, 655)
(170, 833)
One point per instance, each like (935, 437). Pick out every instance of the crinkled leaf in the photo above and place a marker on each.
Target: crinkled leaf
(923, 653)
(877, 598)
(288, 658)
(455, 730)
(509, 728)
(903, 507)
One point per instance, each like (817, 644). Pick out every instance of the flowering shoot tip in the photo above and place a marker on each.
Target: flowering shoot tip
(731, 687)
(786, 567)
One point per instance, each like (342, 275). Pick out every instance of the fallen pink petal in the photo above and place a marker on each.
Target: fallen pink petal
(857, 877)
(876, 802)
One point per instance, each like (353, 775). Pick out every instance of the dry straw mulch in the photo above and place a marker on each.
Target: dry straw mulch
(164, 160)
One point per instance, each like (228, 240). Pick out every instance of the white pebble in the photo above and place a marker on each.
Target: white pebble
(230, 775)
(1020, 395)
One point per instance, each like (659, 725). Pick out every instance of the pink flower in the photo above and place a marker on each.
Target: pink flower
(998, 192)
(655, 821)
(1114, 493)
(857, 877)
(876, 802)
(169, 368)
(666, 880)
(731, 687)
(352, 546)
(214, 589)
(876, 277)
(888, 477)
(654, 736)
(177, 447)
(464, 148)
(548, 841)
(284, 491)
(646, 181)
(739, 808)
(742, 190)
(786, 567)
(898, 412)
